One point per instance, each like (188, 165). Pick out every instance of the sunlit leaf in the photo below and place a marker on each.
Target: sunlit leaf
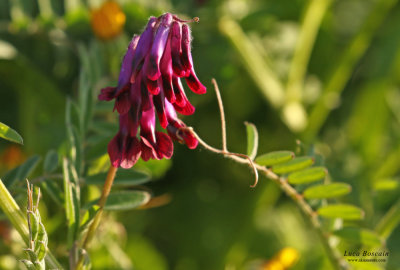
(123, 178)
(344, 211)
(296, 164)
(252, 140)
(386, 185)
(274, 158)
(307, 176)
(327, 191)
(21, 172)
(9, 134)
(359, 236)
(50, 161)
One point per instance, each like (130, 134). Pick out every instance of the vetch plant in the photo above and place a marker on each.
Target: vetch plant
(155, 70)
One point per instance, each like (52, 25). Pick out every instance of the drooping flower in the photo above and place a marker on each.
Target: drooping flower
(149, 84)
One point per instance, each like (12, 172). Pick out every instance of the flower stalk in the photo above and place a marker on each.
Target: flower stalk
(96, 221)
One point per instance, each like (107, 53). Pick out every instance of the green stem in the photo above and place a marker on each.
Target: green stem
(309, 29)
(17, 219)
(102, 202)
(346, 65)
(262, 74)
(389, 221)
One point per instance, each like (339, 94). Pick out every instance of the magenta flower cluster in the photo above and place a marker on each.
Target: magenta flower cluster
(149, 83)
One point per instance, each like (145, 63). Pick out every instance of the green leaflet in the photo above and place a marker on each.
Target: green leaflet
(359, 236)
(252, 140)
(50, 162)
(344, 211)
(327, 191)
(296, 164)
(124, 200)
(307, 176)
(274, 158)
(9, 134)
(21, 172)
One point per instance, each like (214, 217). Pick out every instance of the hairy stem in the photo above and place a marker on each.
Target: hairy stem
(102, 202)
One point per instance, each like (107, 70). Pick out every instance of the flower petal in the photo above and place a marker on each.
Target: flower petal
(157, 49)
(143, 47)
(126, 67)
(122, 103)
(107, 93)
(194, 84)
(131, 154)
(186, 55)
(165, 147)
(115, 150)
(148, 151)
(176, 40)
(160, 108)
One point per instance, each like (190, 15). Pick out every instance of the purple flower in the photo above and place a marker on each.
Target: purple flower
(150, 83)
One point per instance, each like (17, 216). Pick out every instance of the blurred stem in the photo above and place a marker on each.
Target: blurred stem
(102, 202)
(312, 19)
(345, 67)
(45, 8)
(389, 222)
(72, 5)
(17, 12)
(17, 219)
(262, 74)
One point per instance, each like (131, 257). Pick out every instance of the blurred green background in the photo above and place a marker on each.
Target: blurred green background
(340, 97)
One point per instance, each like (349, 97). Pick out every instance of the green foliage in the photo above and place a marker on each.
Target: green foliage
(22, 172)
(344, 211)
(327, 191)
(50, 162)
(123, 178)
(9, 134)
(307, 176)
(359, 236)
(252, 140)
(296, 164)
(274, 158)
(124, 200)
